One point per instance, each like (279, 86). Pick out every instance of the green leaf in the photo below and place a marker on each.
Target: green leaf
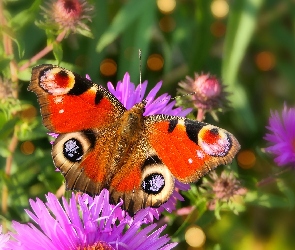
(287, 191)
(85, 32)
(57, 51)
(24, 75)
(25, 17)
(35, 131)
(241, 26)
(134, 39)
(8, 31)
(8, 128)
(3, 118)
(202, 37)
(266, 200)
(4, 62)
(126, 16)
(48, 27)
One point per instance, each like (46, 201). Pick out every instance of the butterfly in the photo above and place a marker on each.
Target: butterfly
(137, 158)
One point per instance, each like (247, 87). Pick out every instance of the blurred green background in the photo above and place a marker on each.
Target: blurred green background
(249, 44)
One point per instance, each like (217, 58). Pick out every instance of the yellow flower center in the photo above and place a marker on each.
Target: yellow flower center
(100, 245)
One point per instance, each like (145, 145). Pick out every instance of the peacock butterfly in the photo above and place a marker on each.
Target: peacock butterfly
(137, 158)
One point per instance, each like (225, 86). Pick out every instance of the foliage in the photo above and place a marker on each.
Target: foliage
(251, 48)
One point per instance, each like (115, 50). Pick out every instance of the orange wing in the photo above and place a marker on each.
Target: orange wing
(190, 149)
(70, 102)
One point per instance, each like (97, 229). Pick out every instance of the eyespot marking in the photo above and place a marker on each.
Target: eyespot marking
(214, 141)
(56, 81)
(153, 183)
(73, 150)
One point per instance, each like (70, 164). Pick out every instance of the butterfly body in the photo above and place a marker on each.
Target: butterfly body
(103, 145)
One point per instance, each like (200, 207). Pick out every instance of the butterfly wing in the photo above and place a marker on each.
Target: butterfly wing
(189, 148)
(70, 102)
(81, 158)
(86, 117)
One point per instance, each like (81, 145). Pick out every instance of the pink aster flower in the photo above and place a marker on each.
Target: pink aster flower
(85, 223)
(129, 95)
(4, 238)
(281, 136)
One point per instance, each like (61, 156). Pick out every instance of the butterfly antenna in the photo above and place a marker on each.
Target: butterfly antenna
(174, 98)
(139, 57)
(180, 96)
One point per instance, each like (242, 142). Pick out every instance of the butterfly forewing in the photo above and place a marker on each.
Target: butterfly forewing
(71, 103)
(190, 148)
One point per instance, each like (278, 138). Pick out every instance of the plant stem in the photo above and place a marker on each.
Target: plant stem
(201, 115)
(8, 50)
(272, 178)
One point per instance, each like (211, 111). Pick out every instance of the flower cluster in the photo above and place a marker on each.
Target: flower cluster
(281, 136)
(84, 223)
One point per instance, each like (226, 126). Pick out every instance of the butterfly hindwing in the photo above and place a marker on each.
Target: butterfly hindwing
(190, 148)
(143, 181)
(70, 102)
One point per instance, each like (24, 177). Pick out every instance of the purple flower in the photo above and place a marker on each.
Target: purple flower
(4, 238)
(282, 136)
(85, 223)
(128, 95)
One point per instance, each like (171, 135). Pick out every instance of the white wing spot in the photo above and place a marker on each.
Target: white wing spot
(58, 99)
(200, 154)
(61, 111)
(190, 160)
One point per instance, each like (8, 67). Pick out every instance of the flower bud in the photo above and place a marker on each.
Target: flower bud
(205, 91)
(68, 14)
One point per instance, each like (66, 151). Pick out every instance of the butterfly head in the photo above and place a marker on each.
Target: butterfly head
(140, 107)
